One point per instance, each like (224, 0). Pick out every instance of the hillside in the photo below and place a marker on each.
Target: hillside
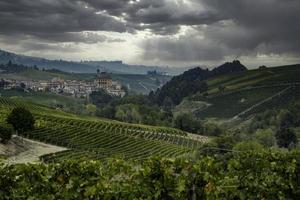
(249, 92)
(193, 81)
(87, 137)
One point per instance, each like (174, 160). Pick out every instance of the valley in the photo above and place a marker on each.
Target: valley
(203, 121)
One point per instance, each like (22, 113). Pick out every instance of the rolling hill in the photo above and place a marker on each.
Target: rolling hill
(87, 137)
(84, 66)
(244, 93)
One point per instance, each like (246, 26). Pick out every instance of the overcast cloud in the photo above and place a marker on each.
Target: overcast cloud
(174, 32)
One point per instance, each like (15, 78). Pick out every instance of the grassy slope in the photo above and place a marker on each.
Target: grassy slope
(256, 77)
(236, 100)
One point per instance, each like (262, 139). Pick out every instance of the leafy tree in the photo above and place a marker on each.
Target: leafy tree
(225, 143)
(211, 129)
(91, 109)
(285, 136)
(5, 134)
(106, 112)
(21, 119)
(128, 113)
(188, 122)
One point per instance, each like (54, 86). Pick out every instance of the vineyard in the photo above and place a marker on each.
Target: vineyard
(257, 77)
(252, 175)
(240, 102)
(99, 139)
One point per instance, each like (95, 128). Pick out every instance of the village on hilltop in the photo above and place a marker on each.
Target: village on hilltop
(75, 88)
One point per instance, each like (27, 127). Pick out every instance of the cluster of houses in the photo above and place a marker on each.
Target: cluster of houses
(75, 88)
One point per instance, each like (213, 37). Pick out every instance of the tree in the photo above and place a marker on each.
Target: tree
(21, 119)
(188, 122)
(285, 136)
(91, 109)
(5, 134)
(128, 113)
(106, 112)
(211, 129)
(265, 137)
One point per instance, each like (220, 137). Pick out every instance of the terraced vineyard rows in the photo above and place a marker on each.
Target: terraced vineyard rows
(232, 104)
(100, 139)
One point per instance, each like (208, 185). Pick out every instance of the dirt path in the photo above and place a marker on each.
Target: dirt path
(21, 150)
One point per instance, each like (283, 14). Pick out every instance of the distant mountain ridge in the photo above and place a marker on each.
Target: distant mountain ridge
(84, 66)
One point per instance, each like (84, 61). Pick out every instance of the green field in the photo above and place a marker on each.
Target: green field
(98, 139)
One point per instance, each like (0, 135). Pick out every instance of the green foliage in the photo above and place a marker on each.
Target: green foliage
(219, 146)
(252, 175)
(21, 119)
(264, 120)
(91, 109)
(5, 134)
(212, 129)
(189, 123)
(106, 112)
(100, 98)
(128, 113)
(265, 137)
(248, 146)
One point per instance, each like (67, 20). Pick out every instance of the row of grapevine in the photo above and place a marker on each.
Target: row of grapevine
(98, 139)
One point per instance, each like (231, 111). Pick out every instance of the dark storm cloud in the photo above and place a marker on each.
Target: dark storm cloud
(218, 28)
(82, 37)
(245, 28)
(257, 23)
(189, 47)
(46, 18)
(160, 16)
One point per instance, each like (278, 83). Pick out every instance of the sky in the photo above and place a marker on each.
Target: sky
(176, 33)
